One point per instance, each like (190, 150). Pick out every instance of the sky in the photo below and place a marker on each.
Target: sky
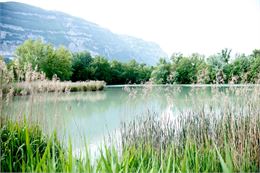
(187, 26)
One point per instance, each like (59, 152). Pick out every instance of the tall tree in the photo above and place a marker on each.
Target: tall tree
(45, 58)
(100, 69)
(161, 73)
(81, 66)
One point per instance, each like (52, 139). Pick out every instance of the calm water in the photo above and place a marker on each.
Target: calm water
(91, 116)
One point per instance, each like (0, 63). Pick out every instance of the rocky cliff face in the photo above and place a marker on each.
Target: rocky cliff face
(19, 22)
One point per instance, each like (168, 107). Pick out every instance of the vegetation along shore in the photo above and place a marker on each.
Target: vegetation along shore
(219, 68)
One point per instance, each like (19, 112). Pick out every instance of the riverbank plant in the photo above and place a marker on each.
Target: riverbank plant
(222, 135)
(24, 148)
(25, 88)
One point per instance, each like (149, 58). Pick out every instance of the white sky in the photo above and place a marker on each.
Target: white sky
(203, 26)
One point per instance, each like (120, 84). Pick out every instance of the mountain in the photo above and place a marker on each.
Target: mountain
(19, 22)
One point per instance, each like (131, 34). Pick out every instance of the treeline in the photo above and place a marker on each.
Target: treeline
(81, 66)
(85, 67)
(216, 69)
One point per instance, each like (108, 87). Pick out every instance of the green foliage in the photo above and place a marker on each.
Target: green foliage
(32, 51)
(144, 73)
(217, 68)
(161, 73)
(100, 69)
(118, 72)
(113, 72)
(130, 72)
(24, 148)
(57, 63)
(44, 57)
(81, 66)
(136, 73)
(240, 68)
(255, 66)
(186, 70)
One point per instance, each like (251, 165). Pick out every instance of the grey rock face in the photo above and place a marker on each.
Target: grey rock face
(19, 22)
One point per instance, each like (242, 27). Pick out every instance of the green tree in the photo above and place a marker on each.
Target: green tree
(30, 52)
(132, 71)
(81, 66)
(219, 63)
(144, 73)
(254, 67)
(256, 53)
(185, 71)
(118, 72)
(59, 63)
(161, 73)
(240, 67)
(45, 58)
(225, 55)
(100, 69)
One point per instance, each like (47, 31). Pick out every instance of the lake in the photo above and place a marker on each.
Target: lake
(91, 116)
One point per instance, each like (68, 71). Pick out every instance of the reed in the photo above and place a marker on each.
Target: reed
(24, 148)
(223, 135)
(25, 88)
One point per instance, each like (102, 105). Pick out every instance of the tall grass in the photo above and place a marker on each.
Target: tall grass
(24, 148)
(27, 149)
(26, 88)
(220, 136)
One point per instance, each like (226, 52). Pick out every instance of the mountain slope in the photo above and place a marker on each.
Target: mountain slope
(19, 22)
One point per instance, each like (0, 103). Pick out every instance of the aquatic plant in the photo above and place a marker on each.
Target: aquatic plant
(25, 88)
(222, 135)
